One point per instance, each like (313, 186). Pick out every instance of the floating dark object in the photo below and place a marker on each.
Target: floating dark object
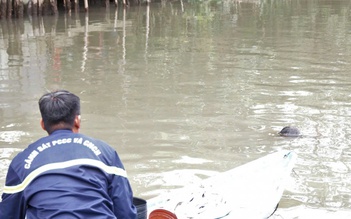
(289, 131)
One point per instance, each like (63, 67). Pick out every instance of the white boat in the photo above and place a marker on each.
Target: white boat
(250, 191)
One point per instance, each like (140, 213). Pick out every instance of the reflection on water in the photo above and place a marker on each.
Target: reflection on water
(185, 90)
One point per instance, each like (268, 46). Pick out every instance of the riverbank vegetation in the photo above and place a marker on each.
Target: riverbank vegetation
(18, 8)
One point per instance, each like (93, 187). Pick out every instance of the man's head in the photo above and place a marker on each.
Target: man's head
(289, 131)
(60, 110)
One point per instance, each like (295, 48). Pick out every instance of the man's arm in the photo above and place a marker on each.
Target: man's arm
(122, 195)
(12, 206)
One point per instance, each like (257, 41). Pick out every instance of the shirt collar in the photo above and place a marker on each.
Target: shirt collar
(60, 131)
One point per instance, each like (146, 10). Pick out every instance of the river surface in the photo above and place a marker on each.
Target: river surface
(183, 91)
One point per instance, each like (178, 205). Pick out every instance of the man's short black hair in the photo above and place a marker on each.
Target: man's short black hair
(59, 108)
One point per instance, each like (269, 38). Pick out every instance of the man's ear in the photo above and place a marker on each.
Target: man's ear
(42, 124)
(76, 124)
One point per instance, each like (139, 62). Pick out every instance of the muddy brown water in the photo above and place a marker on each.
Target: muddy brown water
(184, 90)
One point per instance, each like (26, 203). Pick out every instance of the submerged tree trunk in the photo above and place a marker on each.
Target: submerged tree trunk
(76, 5)
(67, 5)
(9, 8)
(34, 7)
(86, 5)
(18, 8)
(3, 7)
(40, 7)
(53, 6)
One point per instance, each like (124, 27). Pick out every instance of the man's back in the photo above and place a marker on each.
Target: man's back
(68, 175)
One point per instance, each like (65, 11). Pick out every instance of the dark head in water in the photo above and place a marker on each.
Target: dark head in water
(289, 131)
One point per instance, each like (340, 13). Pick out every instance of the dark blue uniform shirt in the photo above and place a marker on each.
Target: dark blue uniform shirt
(67, 175)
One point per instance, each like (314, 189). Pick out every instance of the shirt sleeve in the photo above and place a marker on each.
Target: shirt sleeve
(12, 206)
(122, 195)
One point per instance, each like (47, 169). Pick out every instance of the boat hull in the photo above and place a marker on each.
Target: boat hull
(252, 190)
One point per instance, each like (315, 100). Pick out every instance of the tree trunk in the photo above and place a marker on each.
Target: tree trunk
(76, 5)
(18, 8)
(53, 6)
(9, 8)
(86, 6)
(67, 4)
(3, 7)
(40, 7)
(34, 7)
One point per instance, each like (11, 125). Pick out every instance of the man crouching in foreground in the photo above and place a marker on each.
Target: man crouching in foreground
(66, 175)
